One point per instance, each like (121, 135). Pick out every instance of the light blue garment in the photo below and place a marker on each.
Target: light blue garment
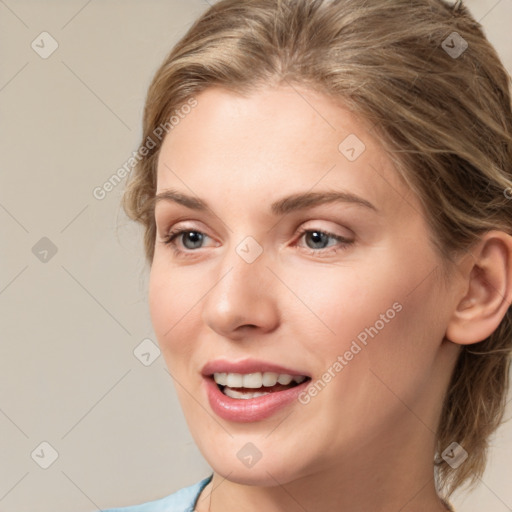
(183, 500)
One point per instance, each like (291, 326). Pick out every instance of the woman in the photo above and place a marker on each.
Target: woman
(325, 189)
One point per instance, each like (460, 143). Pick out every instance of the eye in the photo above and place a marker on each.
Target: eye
(318, 240)
(191, 239)
(194, 237)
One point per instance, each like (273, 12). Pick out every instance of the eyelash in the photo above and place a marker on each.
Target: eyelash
(345, 243)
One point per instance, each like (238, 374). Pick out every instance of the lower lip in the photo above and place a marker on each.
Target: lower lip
(251, 409)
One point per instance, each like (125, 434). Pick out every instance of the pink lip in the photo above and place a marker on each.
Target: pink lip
(251, 409)
(245, 366)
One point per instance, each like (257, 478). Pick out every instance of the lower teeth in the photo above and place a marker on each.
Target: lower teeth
(232, 393)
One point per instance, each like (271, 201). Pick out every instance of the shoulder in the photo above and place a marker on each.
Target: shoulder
(180, 501)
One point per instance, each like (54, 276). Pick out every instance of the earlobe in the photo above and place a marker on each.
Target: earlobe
(488, 290)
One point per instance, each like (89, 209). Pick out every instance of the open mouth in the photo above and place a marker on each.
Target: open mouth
(253, 385)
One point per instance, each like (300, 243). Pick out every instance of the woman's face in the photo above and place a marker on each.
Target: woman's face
(309, 257)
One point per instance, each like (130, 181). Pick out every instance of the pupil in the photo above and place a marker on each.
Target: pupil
(194, 237)
(318, 238)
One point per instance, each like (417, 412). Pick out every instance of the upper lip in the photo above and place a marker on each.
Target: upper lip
(246, 366)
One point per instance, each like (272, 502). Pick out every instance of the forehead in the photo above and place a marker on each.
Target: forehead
(276, 139)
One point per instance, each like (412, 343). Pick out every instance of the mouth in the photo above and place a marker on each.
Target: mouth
(253, 385)
(251, 390)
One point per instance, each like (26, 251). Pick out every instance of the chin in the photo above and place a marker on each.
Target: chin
(263, 476)
(265, 472)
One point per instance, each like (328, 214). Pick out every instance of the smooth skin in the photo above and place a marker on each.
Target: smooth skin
(366, 441)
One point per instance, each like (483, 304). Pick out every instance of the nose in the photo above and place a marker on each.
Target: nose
(242, 300)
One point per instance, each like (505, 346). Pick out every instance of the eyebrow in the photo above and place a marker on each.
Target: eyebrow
(282, 206)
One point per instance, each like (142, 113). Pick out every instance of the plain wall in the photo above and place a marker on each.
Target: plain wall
(70, 321)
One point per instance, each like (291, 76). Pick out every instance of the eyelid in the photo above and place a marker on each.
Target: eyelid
(315, 225)
(342, 244)
(176, 232)
(178, 224)
(177, 228)
(317, 229)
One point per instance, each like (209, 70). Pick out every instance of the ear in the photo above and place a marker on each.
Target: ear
(486, 289)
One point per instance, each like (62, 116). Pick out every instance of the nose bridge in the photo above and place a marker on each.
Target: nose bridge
(244, 267)
(242, 293)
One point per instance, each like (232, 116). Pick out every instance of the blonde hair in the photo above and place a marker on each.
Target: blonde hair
(444, 118)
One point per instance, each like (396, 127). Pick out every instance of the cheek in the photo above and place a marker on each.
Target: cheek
(383, 312)
(399, 327)
(385, 337)
(344, 300)
(173, 302)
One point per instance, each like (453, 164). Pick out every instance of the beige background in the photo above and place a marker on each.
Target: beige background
(70, 323)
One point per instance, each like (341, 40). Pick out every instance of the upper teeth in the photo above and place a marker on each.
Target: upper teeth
(255, 380)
